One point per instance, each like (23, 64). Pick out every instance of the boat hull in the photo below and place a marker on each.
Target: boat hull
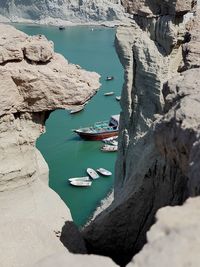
(96, 136)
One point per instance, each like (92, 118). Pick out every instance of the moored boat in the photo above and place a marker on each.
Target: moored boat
(92, 173)
(109, 93)
(118, 98)
(84, 178)
(81, 183)
(109, 148)
(104, 172)
(100, 130)
(111, 141)
(61, 27)
(109, 78)
(76, 110)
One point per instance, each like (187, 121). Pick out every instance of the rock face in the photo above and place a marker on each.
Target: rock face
(158, 7)
(70, 10)
(173, 240)
(158, 159)
(34, 82)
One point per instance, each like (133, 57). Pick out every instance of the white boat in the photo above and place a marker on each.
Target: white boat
(84, 178)
(109, 148)
(118, 98)
(109, 93)
(113, 143)
(104, 172)
(92, 173)
(76, 110)
(81, 183)
(111, 140)
(109, 78)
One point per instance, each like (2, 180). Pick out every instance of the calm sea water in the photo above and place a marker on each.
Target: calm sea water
(66, 154)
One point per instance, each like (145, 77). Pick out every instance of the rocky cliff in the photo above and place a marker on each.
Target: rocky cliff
(61, 11)
(158, 157)
(34, 81)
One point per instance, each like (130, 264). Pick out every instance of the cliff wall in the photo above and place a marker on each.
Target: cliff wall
(34, 81)
(58, 11)
(158, 158)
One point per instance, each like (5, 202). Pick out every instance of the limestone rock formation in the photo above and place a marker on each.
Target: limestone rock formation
(34, 82)
(191, 49)
(38, 50)
(62, 10)
(158, 159)
(173, 240)
(63, 260)
(158, 7)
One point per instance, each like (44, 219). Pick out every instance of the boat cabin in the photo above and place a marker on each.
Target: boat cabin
(114, 121)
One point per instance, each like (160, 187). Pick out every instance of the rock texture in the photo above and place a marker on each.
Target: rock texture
(158, 159)
(158, 7)
(34, 82)
(173, 240)
(65, 10)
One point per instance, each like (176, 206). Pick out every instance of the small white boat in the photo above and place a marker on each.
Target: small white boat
(109, 93)
(92, 173)
(118, 98)
(109, 148)
(111, 140)
(109, 78)
(76, 110)
(113, 143)
(81, 183)
(84, 178)
(104, 172)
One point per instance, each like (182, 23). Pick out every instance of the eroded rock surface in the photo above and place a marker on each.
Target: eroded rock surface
(158, 7)
(61, 11)
(158, 159)
(173, 240)
(34, 81)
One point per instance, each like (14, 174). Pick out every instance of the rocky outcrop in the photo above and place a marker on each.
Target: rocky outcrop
(158, 157)
(34, 81)
(61, 11)
(158, 7)
(173, 240)
(191, 49)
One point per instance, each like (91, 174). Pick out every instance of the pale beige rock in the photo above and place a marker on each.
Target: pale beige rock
(11, 42)
(32, 215)
(191, 50)
(35, 87)
(177, 133)
(9, 94)
(138, 189)
(173, 240)
(29, 224)
(65, 11)
(79, 260)
(158, 158)
(38, 49)
(158, 7)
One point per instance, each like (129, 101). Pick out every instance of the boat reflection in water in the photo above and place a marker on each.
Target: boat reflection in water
(100, 130)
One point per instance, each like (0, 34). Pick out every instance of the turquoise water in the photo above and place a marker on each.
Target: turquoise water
(66, 154)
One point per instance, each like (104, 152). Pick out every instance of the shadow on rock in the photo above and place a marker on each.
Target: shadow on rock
(72, 239)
